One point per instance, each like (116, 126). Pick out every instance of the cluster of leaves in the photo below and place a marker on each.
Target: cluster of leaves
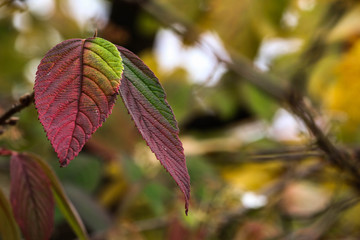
(76, 86)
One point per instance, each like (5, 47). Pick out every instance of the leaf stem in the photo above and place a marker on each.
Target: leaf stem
(23, 102)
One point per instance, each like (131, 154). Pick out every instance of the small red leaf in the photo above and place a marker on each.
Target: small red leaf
(31, 198)
(146, 102)
(75, 89)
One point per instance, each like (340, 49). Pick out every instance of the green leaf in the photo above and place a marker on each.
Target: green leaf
(8, 227)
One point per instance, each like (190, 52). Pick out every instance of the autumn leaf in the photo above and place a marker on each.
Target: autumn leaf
(75, 89)
(31, 197)
(63, 203)
(146, 102)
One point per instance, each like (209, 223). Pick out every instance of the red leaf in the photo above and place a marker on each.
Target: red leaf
(75, 89)
(31, 197)
(146, 102)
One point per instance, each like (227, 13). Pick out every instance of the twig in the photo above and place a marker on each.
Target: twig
(338, 157)
(238, 64)
(265, 156)
(245, 69)
(24, 101)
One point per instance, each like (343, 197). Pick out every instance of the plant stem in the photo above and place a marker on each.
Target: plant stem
(24, 102)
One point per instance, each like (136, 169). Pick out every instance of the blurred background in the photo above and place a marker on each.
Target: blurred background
(255, 170)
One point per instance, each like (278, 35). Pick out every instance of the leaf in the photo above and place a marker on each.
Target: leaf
(8, 227)
(31, 197)
(146, 102)
(63, 202)
(5, 152)
(75, 89)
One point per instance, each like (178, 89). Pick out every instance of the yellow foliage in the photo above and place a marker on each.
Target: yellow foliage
(348, 28)
(251, 176)
(111, 193)
(343, 96)
(322, 77)
(351, 218)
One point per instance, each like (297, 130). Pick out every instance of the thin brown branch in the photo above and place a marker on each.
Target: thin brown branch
(293, 99)
(264, 156)
(337, 156)
(24, 101)
(238, 64)
(285, 157)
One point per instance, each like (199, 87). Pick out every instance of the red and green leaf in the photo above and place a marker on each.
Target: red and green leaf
(31, 197)
(146, 102)
(75, 89)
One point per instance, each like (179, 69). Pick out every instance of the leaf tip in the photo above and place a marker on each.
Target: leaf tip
(187, 197)
(63, 163)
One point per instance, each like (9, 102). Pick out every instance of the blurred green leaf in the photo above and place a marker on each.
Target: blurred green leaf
(93, 214)
(263, 106)
(8, 227)
(132, 171)
(157, 195)
(84, 173)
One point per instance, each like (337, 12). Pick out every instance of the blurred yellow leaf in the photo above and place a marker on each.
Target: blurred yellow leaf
(232, 21)
(351, 219)
(348, 28)
(343, 96)
(8, 227)
(251, 176)
(111, 192)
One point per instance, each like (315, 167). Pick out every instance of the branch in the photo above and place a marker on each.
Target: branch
(337, 156)
(291, 98)
(285, 155)
(24, 101)
(238, 64)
